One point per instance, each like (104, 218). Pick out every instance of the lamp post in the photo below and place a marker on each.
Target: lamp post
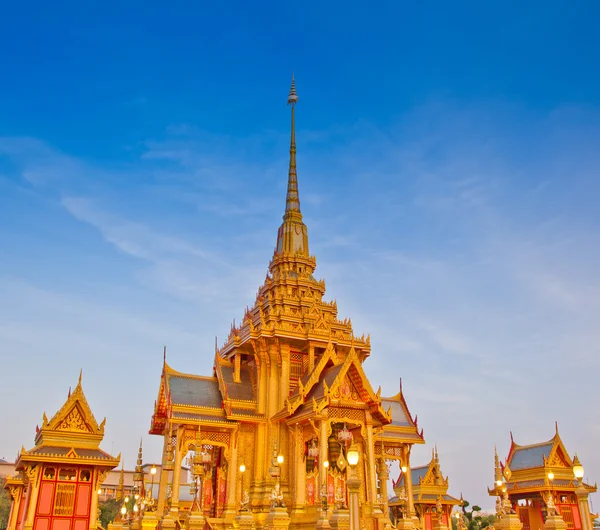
(582, 495)
(353, 484)
(152, 474)
(324, 492)
(243, 495)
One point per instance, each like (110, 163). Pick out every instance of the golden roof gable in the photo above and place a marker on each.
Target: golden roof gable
(74, 423)
(71, 435)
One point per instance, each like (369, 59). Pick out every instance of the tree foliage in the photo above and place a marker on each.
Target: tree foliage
(108, 511)
(4, 504)
(476, 520)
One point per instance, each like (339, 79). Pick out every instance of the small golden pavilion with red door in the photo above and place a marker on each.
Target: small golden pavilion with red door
(286, 400)
(542, 479)
(59, 478)
(430, 495)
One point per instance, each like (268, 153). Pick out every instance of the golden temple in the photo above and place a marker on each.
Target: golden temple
(58, 480)
(540, 483)
(430, 495)
(287, 400)
(287, 432)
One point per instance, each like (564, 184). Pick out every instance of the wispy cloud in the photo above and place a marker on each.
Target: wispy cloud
(466, 245)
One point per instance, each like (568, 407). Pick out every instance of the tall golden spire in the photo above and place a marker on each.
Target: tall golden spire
(292, 200)
(121, 486)
(292, 238)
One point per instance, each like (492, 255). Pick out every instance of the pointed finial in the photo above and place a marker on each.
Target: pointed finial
(165, 355)
(69, 392)
(292, 202)
(293, 97)
(556, 427)
(80, 376)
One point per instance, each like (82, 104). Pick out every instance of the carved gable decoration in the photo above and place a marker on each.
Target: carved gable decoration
(74, 416)
(558, 457)
(429, 477)
(74, 422)
(347, 391)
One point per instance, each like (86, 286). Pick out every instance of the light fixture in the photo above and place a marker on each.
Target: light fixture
(280, 459)
(136, 496)
(550, 475)
(353, 455)
(498, 483)
(135, 508)
(126, 499)
(577, 468)
(123, 510)
(326, 464)
(153, 470)
(242, 468)
(404, 469)
(99, 491)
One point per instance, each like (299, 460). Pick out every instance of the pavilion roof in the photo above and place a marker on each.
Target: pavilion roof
(72, 435)
(528, 467)
(334, 383)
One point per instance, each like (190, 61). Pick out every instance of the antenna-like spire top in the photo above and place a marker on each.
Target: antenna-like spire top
(293, 97)
(292, 200)
(292, 237)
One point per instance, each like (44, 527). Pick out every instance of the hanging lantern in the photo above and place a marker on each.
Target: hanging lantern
(333, 447)
(313, 450)
(345, 437)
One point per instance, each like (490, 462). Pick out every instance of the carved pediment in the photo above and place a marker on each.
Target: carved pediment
(74, 421)
(74, 416)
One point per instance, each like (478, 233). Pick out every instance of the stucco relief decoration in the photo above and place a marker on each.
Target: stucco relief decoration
(346, 391)
(73, 422)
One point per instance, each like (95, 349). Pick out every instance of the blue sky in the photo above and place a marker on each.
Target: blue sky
(448, 165)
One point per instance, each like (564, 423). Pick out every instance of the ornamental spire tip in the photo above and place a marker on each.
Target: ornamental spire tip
(293, 97)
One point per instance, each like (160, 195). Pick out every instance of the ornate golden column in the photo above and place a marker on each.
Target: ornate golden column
(584, 507)
(322, 447)
(383, 478)
(99, 477)
(232, 477)
(371, 468)
(179, 454)
(410, 503)
(164, 473)
(300, 471)
(16, 493)
(33, 475)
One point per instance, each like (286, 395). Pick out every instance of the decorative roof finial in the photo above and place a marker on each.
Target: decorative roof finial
(292, 97)
(80, 376)
(292, 200)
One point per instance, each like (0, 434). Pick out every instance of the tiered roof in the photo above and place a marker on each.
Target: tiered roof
(527, 467)
(428, 483)
(72, 435)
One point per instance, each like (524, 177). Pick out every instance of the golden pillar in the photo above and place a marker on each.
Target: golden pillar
(33, 474)
(371, 467)
(164, 473)
(408, 484)
(97, 482)
(584, 507)
(16, 494)
(232, 474)
(322, 448)
(299, 471)
(177, 473)
(383, 478)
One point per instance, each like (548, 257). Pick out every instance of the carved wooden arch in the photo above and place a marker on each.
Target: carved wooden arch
(214, 438)
(348, 416)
